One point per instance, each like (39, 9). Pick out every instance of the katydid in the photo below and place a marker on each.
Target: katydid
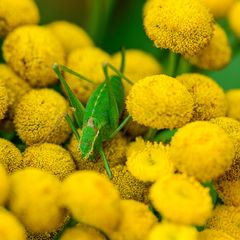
(99, 121)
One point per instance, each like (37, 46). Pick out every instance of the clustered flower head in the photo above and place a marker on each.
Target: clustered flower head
(40, 117)
(233, 97)
(3, 100)
(14, 13)
(217, 54)
(183, 26)
(70, 35)
(30, 51)
(160, 102)
(212, 234)
(4, 185)
(233, 18)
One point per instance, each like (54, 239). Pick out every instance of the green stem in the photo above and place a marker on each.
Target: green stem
(150, 134)
(124, 122)
(106, 163)
(172, 61)
(184, 66)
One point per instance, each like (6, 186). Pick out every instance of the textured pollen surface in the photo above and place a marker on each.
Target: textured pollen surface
(3, 99)
(4, 185)
(234, 18)
(209, 98)
(49, 157)
(40, 117)
(92, 199)
(211, 234)
(137, 220)
(138, 65)
(217, 54)
(181, 199)
(14, 13)
(88, 62)
(202, 149)
(226, 219)
(10, 156)
(160, 102)
(34, 198)
(148, 161)
(70, 35)
(31, 51)
(170, 231)
(233, 98)
(184, 26)
(10, 226)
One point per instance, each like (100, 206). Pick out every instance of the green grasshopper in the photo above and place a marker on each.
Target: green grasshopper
(99, 121)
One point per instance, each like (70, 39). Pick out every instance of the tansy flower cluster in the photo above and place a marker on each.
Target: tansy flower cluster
(162, 136)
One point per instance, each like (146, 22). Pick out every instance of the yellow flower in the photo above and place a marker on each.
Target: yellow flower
(3, 100)
(228, 191)
(16, 86)
(4, 185)
(92, 199)
(209, 98)
(169, 231)
(10, 227)
(183, 26)
(232, 128)
(115, 151)
(217, 54)
(34, 196)
(219, 9)
(14, 13)
(202, 149)
(40, 117)
(160, 102)
(10, 156)
(49, 157)
(148, 161)
(181, 199)
(138, 65)
(211, 234)
(70, 35)
(30, 51)
(136, 221)
(82, 232)
(88, 62)
(128, 186)
(234, 19)
(233, 98)
(226, 219)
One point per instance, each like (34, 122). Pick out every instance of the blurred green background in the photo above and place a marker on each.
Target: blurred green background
(116, 23)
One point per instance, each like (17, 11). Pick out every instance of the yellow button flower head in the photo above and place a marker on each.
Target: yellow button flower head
(128, 186)
(3, 99)
(4, 185)
(148, 161)
(10, 156)
(40, 117)
(88, 62)
(202, 149)
(234, 18)
(82, 233)
(138, 65)
(92, 199)
(14, 13)
(34, 198)
(226, 219)
(228, 191)
(10, 227)
(136, 221)
(31, 51)
(16, 86)
(233, 98)
(232, 128)
(209, 98)
(184, 26)
(181, 199)
(169, 231)
(211, 234)
(217, 54)
(49, 157)
(70, 35)
(160, 102)
(115, 151)
(219, 9)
